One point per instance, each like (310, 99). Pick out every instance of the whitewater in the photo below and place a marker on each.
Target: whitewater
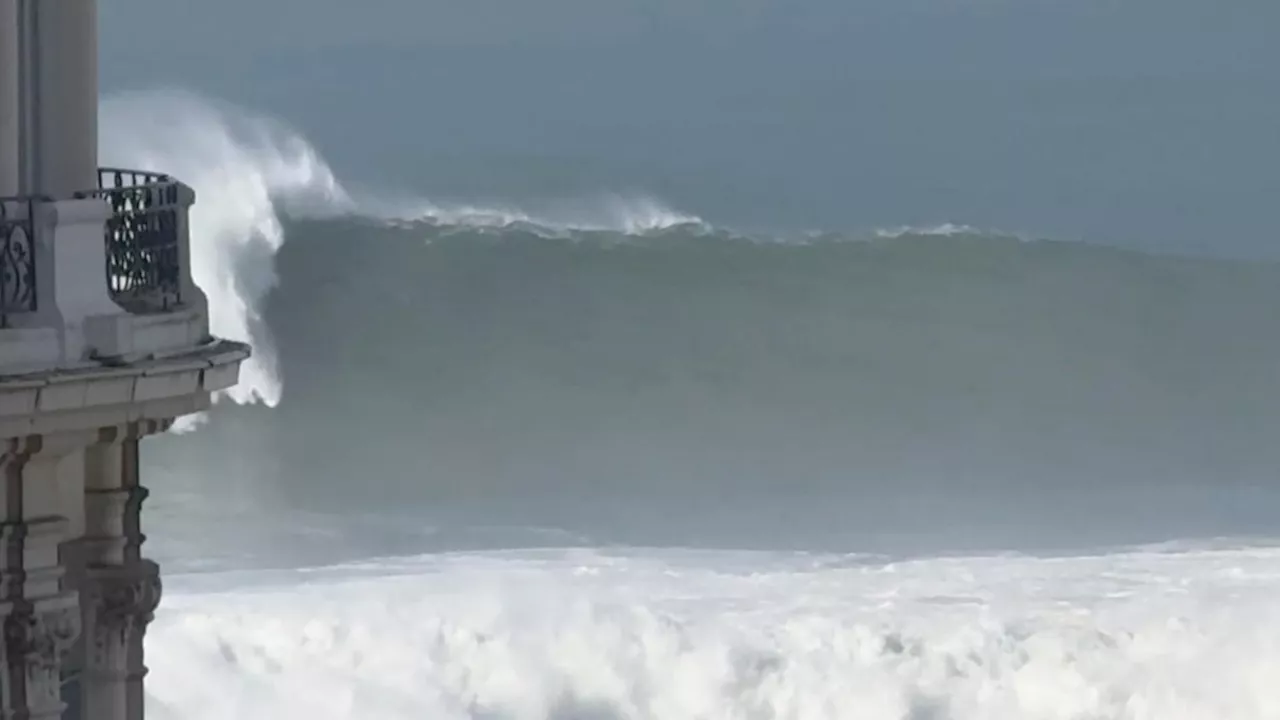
(664, 634)
(567, 623)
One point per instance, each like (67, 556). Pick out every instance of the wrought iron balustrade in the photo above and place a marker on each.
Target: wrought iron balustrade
(144, 270)
(17, 258)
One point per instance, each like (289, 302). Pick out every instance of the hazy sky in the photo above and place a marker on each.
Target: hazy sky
(1153, 123)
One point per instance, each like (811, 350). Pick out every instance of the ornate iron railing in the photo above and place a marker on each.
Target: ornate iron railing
(17, 258)
(144, 270)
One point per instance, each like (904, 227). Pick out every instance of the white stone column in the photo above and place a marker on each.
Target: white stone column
(120, 590)
(9, 79)
(40, 619)
(66, 89)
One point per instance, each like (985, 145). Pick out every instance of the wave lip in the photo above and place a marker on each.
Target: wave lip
(638, 215)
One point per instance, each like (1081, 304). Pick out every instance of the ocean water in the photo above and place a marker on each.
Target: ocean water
(598, 458)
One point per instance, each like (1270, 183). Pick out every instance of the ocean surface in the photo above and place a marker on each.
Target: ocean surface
(600, 458)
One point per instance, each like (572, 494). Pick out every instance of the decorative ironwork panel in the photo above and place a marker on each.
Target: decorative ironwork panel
(17, 259)
(143, 265)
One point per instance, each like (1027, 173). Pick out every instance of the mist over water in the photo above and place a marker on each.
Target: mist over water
(476, 378)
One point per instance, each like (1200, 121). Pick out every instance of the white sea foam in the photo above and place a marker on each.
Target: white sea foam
(1192, 635)
(940, 230)
(606, 212)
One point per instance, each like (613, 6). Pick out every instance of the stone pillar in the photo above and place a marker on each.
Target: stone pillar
(40, 619)
(66, 97)
(119, 589)
(71, 287)
(9, 83)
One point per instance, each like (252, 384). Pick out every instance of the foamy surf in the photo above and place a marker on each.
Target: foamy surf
(1193, 635)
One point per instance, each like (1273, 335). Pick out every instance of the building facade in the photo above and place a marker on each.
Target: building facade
(104, 340)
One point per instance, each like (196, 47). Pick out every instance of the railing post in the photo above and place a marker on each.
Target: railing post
(72, 293)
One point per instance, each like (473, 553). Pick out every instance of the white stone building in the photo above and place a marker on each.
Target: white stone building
(103, 341)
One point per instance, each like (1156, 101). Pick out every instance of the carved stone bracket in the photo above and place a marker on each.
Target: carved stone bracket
(123, 598)
(41, 637)
(120, 601)
(37, 638)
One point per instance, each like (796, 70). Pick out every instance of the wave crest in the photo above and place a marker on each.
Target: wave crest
(250, 171)
(609, 212)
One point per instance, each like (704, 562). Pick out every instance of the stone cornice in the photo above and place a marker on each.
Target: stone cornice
(34, 402)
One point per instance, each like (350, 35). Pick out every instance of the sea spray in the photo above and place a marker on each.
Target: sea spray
(241, 165)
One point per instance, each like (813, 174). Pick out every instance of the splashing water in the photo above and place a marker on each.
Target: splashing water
(240, 165)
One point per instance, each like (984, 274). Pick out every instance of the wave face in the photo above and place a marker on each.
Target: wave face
(587, 636)
(694, 387)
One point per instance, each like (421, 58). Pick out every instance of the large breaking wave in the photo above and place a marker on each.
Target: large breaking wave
(567, 365)
(609, 372)
(249, 170)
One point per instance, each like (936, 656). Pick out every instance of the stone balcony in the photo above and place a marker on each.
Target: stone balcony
(102, 278)
(100, 320)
